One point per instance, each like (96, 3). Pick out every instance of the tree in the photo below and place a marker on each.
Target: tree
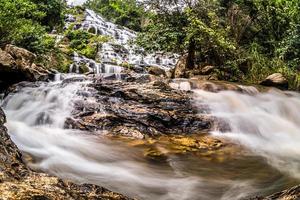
(24, 23)
(191, 27)
(126, 13)
(53, 13)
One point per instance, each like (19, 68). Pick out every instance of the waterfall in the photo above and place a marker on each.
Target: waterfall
(266, 123)
(119, 50)
(36, 116)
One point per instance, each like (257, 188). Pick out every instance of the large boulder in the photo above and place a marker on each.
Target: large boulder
(138, 109)
(180, 68)
(207, 70)
(157, 71)
(18, 182)
(276, 80)
(17, 64)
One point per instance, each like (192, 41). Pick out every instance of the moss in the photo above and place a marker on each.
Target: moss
(127, 65)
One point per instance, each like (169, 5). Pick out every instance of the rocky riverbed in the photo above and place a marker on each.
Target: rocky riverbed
(17, 181)
(140, 111)
(144, 135)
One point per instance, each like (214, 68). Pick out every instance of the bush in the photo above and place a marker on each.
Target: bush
(24, 23)
(85, 43)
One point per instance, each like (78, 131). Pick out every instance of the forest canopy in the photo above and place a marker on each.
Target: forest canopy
(246, 39)
(26, 23)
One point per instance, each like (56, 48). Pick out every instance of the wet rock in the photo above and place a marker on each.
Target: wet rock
(138, 110)
(139, 79)
(289, 194)
(157, 71)
(17, 64)
(276, 80)
(70, 18)
(19, 182)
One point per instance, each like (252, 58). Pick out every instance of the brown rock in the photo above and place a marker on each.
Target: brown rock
(157, 71)
(17, 64)
(22, 56)
(289, 194)
(276, 80)
(180, 68)
(135, 109)
(207, 70)
(6, 60)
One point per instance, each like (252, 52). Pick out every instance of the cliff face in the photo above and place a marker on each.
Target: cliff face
(19, 182)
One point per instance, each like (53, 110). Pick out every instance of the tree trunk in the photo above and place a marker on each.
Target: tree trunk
(190, 62)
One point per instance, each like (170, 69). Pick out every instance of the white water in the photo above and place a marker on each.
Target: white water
(94, 67)
(119, 49)
(36, 117)
(266, 123)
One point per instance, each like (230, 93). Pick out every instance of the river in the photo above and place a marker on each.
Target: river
(267, 125)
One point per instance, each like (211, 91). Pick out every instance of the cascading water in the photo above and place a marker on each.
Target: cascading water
(267, 123)
(36, 116)
(118, 51)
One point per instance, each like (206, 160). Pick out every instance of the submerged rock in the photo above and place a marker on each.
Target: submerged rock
(19, 182)
(17, 64)
(276, 80)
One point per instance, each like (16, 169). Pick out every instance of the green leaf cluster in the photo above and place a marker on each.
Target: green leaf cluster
(85, 43)
(25, 22)
(123, 12)
(251, 39)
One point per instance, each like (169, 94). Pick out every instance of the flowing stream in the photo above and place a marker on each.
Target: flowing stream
(267, 124)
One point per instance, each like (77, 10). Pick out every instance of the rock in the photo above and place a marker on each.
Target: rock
(92, 30)
(18, 182)
(70, 18)
(157, 71)
(17, 64)
(207, 70)
(6, 60)
(180, 68)
(276, 80)
(138, 109)
(289, 194)
(22, 56)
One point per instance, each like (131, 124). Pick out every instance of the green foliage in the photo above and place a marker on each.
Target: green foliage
(163, 34)
(123, 12)
(24, 23)
(55, 59)
(248, 40)
(84, 42)
(53, 13)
